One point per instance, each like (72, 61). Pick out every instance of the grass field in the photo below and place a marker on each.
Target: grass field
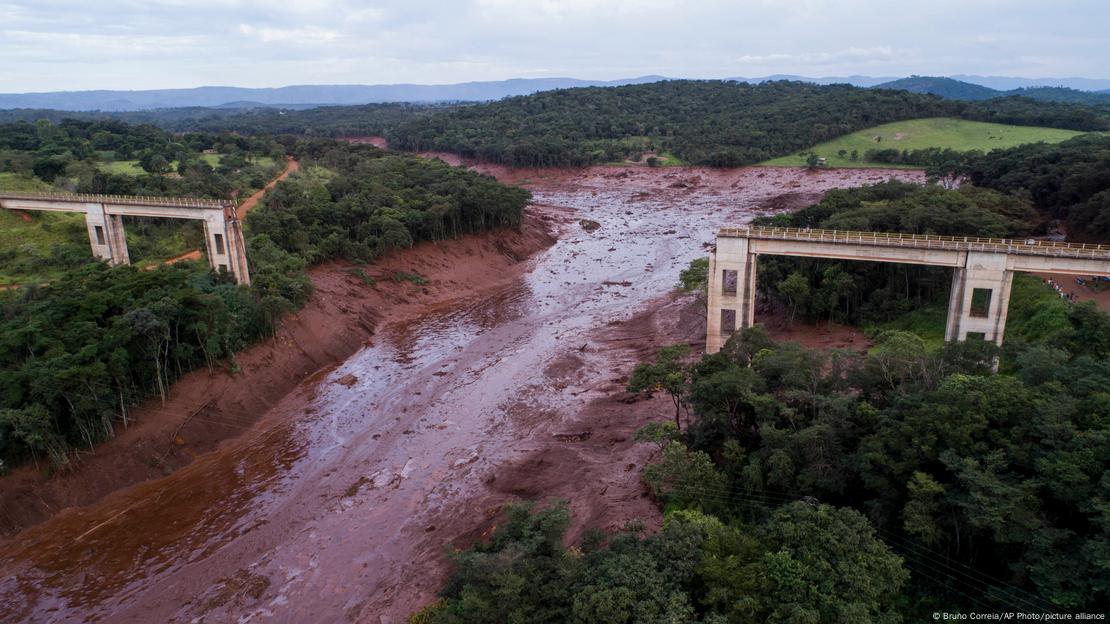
(121, 167)
(19, 183)
(27, 248)
(131, 167)
(940, 132)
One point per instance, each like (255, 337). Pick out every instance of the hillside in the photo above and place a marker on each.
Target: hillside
(1062, 94)
(952, 89)
(295, 96)
(1070, 181)
(915, 134)
(299, 97)
(711, 123)
(944, 87)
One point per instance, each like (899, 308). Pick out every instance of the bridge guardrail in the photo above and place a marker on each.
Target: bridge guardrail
(923, 241)
(134, 200)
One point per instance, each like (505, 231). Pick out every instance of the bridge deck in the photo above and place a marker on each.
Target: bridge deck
(126, 200)
(918, 241)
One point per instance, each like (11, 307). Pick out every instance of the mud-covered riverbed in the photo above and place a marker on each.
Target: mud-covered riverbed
(340, 505)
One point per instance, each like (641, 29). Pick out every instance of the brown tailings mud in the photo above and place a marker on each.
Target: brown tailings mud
(340, 502)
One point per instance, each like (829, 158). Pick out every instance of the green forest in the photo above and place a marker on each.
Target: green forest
(357, 201)
(715, 123)
(322, 121)
(77, 352)
(711, 123)
(1069, 181)
(810, 486)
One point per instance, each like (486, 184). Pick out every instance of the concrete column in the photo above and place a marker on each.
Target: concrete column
(955, 305)
(96, 223)
(238, 252)
(118, 239)
(215, 244)
(985, 272)
(106, 235)
(731, 291)
(223, 241)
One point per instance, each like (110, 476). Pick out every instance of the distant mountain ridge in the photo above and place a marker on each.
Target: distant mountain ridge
(953, 89)
(310, 96)
(298, 96)
(944, 87)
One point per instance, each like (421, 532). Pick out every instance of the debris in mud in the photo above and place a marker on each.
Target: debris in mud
(347, 380)
(611, 283)
(243, 584)
(628, 397)
(572, 437)
(470, 459)
(589, 224)
(355, 487)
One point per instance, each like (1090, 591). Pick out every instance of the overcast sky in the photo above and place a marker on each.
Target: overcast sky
(54, 45)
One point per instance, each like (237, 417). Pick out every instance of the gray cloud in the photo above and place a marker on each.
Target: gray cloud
(48, 45)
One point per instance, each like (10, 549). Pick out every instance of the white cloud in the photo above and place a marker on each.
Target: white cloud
(307, 34)
(854, 54)
(83, 47)
(62, 44)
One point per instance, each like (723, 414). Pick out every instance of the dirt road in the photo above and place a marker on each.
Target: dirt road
(291, 166)
(340, 503)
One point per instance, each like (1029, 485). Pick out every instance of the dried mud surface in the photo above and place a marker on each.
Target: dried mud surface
(340, 502)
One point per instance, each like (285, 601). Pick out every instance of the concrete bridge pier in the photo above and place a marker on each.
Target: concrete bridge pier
(979, 298)
(223, 241)
(106, 235)
(731, 291)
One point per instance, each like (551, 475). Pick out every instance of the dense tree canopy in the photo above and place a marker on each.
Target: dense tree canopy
(1069, 180)
(322, 121)
(777, 568)
(68, 153)
(356, 201)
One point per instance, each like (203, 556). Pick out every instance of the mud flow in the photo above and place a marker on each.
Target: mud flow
(341, 503)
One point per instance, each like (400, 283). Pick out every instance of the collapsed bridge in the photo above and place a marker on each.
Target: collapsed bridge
(223, 233)
(983, 270)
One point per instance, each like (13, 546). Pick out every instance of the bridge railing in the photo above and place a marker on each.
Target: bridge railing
(923, 241)
(131, 200)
